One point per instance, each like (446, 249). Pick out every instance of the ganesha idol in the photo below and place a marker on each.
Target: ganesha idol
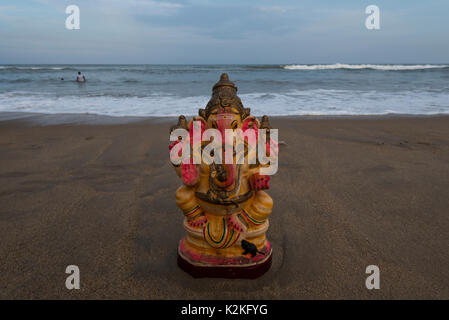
(224, 204)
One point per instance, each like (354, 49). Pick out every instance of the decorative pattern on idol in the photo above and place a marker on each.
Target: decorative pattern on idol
(225, 206)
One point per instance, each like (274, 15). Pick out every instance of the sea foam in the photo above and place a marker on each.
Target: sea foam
(386, 67)
(294, 102)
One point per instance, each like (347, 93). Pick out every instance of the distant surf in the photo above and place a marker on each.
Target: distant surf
(281, 89)
(34, 68)
(386, 67)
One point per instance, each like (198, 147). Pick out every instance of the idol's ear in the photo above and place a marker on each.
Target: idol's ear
(199, 118)
(203, 124)
(245, 113)
(202, 114)
(250, 122)
(190, 125)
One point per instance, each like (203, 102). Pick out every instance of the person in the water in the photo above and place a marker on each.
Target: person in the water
(80, 77)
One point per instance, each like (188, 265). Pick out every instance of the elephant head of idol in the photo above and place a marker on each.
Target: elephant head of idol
(225, 111)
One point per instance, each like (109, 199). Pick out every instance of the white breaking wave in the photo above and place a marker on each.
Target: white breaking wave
(295, 102)
(392, 67)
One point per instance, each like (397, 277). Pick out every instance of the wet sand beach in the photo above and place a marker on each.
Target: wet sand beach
(350, 192)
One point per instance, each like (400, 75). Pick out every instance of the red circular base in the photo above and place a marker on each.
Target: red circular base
(232, 272)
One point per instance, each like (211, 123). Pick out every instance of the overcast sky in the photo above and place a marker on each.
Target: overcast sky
(226, 31)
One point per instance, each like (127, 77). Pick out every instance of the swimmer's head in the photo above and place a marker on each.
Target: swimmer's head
(79, 72)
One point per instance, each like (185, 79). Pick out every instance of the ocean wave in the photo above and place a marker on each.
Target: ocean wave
(385, 67)
(295, 102)
(34, 68)
(194, 69)
(21, 80)
(263, 66)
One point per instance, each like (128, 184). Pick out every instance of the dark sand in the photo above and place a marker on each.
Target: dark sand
(349, 193)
